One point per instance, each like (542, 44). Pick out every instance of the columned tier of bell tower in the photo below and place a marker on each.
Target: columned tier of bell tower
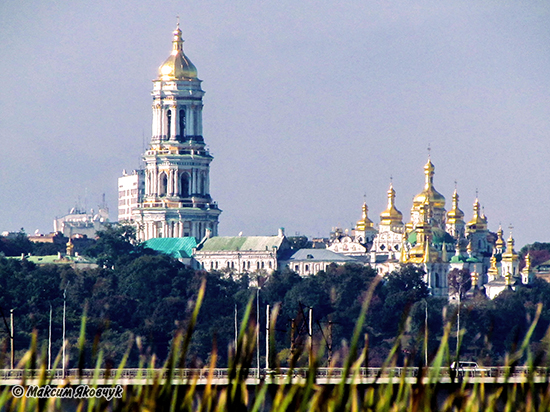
(177, 201)
(177, 111)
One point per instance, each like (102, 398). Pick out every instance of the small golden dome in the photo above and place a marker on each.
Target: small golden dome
(455, 214)
(177, 66)
(478, 222)
(391, 216)
(510, 254)
(365, 223)
(499, 244)
(436, 199)
(510, 244)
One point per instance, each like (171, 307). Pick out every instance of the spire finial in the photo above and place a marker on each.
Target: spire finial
(178, 20)
(429, 151)
(455, 184)
(477, 194)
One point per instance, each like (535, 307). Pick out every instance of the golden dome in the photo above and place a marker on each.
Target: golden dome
(499, 244)
(177, 66)
(436, 199)
(455, 214)
(510, 244)
(365, 223)
(391, 216)
(478, 222)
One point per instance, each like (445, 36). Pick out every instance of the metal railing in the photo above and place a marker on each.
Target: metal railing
(217, 374)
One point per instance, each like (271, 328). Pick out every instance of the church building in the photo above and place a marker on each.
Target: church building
(438, 241)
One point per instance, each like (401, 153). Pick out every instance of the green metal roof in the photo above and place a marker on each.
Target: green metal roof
(458, 259)
(236, 243)
(177, 247)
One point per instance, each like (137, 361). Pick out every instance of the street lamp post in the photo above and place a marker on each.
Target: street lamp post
(64, 326)
(50, 341)
(12, 355)
(258, 328)
(458, 320)
(426, 333)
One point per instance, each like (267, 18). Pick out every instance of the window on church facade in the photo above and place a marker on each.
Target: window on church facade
(163, 184)
(184, 185)
(169, 123)
(182, 124)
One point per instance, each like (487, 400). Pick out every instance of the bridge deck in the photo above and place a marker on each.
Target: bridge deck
(324, 376)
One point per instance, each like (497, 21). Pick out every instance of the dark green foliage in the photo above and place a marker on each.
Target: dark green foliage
(21, 245)
(459, 281)
(540, 253)
(299, 242)
(137, 293)
(116, 246)
(402, 289)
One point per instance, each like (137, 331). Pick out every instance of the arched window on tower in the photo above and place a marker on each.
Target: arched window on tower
(169, 123)
(184, 185)
(182, 124)
(163, 184)
(202, 183)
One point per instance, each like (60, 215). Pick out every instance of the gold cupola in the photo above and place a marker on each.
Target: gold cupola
(509, 248)
(435, 199)
(499, 243)
(455, 215)
(177, 66)
(478, 222)
(423, 251)
(364, 223)
(391, 216)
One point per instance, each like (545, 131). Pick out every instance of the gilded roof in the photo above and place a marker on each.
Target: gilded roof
(177, 66)
(455, 214)
(391, 215)
(364, 223)
(478, 222)
(436, 199)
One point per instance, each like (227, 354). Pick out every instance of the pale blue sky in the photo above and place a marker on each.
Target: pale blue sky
(309, 105)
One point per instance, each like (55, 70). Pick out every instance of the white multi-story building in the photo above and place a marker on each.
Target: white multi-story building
(177, 201)
(82, 222)
(131, 188)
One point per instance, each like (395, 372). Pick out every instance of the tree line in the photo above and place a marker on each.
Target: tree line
(139, 299)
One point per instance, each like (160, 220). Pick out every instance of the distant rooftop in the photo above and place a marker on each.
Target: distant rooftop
(177, 247)
(236, 243)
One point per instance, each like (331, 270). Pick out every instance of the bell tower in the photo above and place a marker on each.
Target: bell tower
(177, 201)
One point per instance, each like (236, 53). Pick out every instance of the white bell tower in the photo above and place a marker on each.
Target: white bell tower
(177, 201)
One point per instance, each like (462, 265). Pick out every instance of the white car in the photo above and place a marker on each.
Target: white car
(464, 365)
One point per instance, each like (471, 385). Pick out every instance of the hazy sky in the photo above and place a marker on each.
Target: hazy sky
(309, 106)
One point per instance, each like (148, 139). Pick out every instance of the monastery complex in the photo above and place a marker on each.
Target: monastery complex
(170, 204)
